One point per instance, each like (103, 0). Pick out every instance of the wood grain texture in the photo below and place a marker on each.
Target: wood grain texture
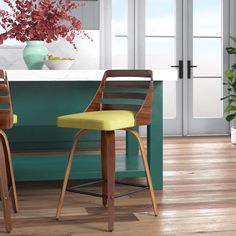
(4, 190)
(5, 100)
(104, 168)
(144, 111)
(9, 169)
(199, 198)
(146, 168)
(121, 107)
(68, 169)
(108, 151)
(125, 95)
(3, 88)
(6, 113)
(126, 84)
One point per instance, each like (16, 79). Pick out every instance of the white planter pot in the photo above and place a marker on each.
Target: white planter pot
(233, 135)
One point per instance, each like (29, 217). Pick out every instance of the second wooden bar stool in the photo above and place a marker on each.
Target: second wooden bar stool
(116, 106)
(7, 180)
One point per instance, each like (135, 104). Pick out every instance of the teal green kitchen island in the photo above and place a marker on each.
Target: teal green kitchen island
(39, 97)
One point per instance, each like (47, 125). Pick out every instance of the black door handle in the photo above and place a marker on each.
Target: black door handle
(181, 69)
(189, 69)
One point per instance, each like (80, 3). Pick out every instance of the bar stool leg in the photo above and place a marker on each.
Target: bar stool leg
(108, 153)
(146, 167)
(104, 168)
(68, 169)
(10, 172)
(4, 190)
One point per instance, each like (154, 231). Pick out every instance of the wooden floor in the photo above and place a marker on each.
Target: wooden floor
(199, 197)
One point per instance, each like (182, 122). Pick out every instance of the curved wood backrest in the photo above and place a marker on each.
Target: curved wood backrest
(6, 113)
(126, 95)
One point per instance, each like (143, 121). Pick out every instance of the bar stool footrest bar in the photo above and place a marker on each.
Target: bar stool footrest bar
(75, 189)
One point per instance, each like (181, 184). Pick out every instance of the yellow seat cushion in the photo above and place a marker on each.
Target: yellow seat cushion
(98, 120)
(14, 119)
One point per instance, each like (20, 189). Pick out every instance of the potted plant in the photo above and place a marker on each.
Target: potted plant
(36, 22)
(231, 97)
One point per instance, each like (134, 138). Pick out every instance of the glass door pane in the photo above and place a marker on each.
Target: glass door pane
(207, 16)
(119, 34)
(206, 85)
(160, 54)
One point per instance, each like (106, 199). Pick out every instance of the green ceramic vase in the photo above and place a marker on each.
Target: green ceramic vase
(35, 54)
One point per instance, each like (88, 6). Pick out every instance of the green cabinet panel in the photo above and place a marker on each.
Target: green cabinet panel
(38, 103)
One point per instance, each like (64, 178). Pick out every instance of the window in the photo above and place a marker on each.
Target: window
(119, 34)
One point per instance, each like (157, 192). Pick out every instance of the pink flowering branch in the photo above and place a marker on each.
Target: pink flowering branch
(46, 21)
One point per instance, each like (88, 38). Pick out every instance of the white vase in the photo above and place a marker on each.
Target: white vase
(233, 135)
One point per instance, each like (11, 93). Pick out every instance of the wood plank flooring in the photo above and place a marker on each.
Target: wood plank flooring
(199, 198)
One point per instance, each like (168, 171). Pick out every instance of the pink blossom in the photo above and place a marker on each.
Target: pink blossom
(47, 21)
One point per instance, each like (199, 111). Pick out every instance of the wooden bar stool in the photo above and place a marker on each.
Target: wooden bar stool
(7, 180)
(116, 106)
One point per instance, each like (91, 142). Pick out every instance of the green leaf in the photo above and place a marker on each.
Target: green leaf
(230, 108)
(233, 38)
(231, 50)
(225, 97)
(229, 74)
(231, 96)
(232, 83)
(231, 101)
(230, 117)
(234, 66)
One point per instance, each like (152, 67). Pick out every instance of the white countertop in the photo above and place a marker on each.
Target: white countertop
(79, 75)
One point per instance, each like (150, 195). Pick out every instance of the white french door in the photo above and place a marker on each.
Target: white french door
(177, 34)
(207, 36)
